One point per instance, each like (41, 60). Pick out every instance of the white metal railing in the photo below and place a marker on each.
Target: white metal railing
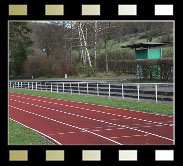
(155, 92)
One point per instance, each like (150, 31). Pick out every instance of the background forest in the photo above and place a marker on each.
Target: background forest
(80, 49)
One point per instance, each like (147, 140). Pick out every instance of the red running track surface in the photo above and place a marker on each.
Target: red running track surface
(72, 123)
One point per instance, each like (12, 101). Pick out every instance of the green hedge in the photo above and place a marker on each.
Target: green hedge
(156, 68)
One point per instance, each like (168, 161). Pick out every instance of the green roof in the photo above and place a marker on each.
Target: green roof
(145, 45)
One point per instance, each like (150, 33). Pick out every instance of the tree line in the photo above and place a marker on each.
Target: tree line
(51, 49)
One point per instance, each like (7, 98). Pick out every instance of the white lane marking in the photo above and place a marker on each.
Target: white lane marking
(125, 126)
(119, 128)
(118, 115)
(37, 132)
(70, 126)
(71, 132)
(101, 105)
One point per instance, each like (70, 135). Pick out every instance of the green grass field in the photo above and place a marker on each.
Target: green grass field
(19, 135)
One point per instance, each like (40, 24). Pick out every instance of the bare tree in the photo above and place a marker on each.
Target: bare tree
(83, 45)
(95, 44)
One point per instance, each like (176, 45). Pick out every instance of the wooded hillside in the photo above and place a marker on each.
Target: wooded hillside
(52, 49)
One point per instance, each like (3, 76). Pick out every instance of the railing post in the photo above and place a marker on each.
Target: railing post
(78, 89)
(87, 88)
(57, 87)
(21, 85)
(156, 87)
(63, 87)
(32, 86)
(138, 91)
(51, 87)
(109, 90)
(97, 90)
(46, 87)
(70, 89)
(122, 95)
(36, 85)
(18, 84)
(10, 84)
(28, 85)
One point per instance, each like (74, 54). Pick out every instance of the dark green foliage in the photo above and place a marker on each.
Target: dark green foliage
(157, 68)
(19, 43)
(151, 69)
(123, 66)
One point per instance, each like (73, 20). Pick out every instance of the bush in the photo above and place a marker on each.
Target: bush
(151, 69)
(40, 66)
(157, 68)
(123, 66)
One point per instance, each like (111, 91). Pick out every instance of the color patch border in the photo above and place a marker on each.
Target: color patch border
(90, 7)
(133, 10)
(163, 10)
(55, 155)
(128, 155)
(18, 10)
(49, 10)
(18, 155)
(164, 155)
(111, 151)
(91, 155)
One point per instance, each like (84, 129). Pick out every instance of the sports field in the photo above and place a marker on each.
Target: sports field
(75, 122)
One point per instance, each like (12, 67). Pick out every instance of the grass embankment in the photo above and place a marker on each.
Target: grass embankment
(98, 75)
(166, 109)
(20, 135)
(149, 81)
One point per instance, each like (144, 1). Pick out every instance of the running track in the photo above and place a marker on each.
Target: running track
(71, 123)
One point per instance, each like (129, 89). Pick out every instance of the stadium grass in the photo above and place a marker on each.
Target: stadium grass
(166, 109)
(20, 135)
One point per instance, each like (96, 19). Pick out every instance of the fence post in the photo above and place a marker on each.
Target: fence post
(109, 90)
(78, 89)
(138, 91)
(36, 85)
(70, 89)
(122, 92)
(51, 87)
(21, 85)
(156, 93)
(32, 86)
(46, 87)
(18, 84)
(28, 85)
(97, 90)
(87, 88)
(57, 87)
(63, 87)
(10, 84)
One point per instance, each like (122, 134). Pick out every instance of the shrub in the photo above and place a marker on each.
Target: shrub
(151, 69)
